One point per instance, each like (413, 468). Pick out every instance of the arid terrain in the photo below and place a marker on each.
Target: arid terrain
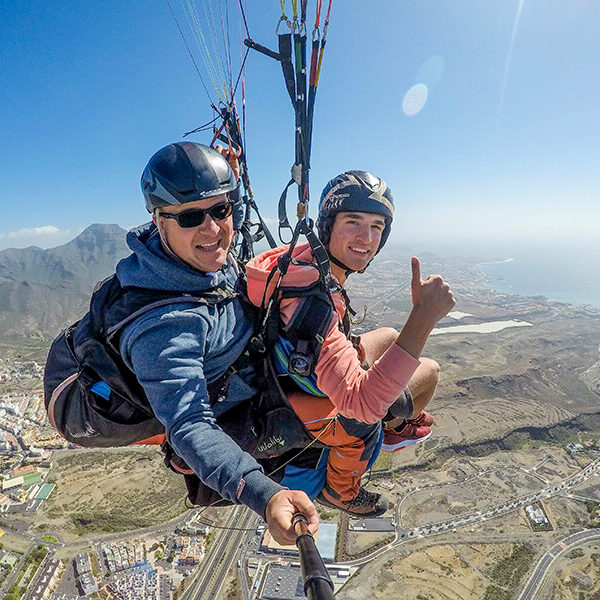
(508, 404)
(100, 491)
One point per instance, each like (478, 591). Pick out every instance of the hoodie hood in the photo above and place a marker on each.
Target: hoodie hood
(259, 268)
(149, 266)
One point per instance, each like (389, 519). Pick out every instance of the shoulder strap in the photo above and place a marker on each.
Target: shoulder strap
(213, 297)
(113, 306)
(307, 329)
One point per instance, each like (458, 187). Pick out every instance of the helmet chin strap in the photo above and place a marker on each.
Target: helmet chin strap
(340, 264)
(346, 268)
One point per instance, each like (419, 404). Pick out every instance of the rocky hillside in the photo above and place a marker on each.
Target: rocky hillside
(41, 291)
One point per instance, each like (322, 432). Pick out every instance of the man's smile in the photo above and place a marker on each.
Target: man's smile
(209, 247)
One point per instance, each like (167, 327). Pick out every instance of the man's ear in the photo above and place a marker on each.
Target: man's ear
(154, 218)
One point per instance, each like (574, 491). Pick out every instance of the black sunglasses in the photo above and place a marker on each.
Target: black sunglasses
(196, 216)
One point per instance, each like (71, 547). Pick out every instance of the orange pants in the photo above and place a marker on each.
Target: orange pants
(352, 442)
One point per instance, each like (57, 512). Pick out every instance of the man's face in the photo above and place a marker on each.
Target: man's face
(203, 247)
(355, 238)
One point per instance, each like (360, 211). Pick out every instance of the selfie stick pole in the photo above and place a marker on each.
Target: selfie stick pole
(317, 583)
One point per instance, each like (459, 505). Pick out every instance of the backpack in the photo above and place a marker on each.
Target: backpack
(92, 398)
(296, 345)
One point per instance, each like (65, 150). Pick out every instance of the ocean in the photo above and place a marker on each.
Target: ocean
(563, 271)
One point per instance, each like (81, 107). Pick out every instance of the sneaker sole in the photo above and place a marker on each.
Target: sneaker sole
(324, 502)
(404, 444)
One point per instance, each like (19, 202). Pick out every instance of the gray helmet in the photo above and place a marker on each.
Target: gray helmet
(355, 191)
(185, 172)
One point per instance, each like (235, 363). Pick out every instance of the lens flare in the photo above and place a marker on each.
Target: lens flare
(414, 100)
(431, 71)
(509, 59)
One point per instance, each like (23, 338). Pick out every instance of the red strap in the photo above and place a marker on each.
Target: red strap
(318, 18)
(328, 12)
(313, 64)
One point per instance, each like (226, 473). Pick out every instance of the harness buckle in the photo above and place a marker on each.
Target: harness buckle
(257, 345)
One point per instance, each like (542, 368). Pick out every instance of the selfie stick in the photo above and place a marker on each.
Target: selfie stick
(317, 583)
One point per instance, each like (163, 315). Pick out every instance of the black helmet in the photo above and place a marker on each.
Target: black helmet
(356, 191)
(185, 172)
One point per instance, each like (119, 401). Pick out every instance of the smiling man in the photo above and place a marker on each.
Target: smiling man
(358, 382)
(181, 351)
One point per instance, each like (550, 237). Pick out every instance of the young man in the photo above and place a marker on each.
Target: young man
(380, 377)
(176, 351)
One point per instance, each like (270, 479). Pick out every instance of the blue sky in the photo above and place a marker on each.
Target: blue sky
(501, 148)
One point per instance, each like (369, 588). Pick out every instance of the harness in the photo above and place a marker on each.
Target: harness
(94, 400)
(295, 344)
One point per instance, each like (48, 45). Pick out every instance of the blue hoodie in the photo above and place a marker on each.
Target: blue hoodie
(175, 350)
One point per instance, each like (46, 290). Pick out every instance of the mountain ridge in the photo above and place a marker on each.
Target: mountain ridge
(42, 291)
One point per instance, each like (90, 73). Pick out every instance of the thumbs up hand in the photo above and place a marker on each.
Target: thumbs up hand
(432, 300)
(431, 297)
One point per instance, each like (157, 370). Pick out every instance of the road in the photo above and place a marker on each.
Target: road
(12, 576)
(536, 578)
(214, 568)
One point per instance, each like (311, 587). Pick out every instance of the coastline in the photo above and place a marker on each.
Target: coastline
(513, 280)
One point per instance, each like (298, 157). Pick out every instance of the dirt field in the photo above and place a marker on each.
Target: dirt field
(458, 571)
(470, 564)
(12, 542)
(105, 491)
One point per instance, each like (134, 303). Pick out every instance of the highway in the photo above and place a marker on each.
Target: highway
(213, 570)
(536, 578)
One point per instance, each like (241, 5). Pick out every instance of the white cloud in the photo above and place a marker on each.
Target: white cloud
(45, 230)
(44, 236)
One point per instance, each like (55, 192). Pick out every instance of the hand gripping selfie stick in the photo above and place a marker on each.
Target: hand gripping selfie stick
(317, 583)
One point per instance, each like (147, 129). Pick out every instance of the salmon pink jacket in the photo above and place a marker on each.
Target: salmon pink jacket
(364, 395)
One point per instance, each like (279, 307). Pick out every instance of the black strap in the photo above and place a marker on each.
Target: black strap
(263, 226)
(312, 94)
(285, 58)
(341, 265)
(295, 83)
(302, 158)
(244, 254)
(319, 252)
(282, 212)
(295, 77)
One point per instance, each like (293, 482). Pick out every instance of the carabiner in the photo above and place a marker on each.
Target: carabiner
(282, 19)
